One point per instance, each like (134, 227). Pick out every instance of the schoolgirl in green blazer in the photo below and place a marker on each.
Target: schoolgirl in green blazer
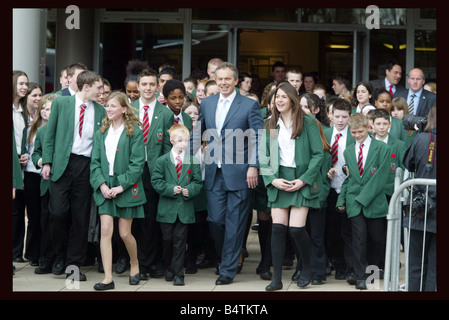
(291, 184)
(118, 158)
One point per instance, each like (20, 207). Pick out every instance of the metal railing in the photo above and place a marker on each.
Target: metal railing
(393, 244)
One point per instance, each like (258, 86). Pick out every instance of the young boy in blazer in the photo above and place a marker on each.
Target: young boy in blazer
(66, 157)
(177, 179)
(363, 195)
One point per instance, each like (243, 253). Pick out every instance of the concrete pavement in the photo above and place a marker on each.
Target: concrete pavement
(25, 280)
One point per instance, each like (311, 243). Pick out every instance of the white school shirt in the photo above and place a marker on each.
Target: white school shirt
(286, 145)
(340, 176)
(150, 112)
(365, 149)
(111, 143)
(83, 145)
(19, 125)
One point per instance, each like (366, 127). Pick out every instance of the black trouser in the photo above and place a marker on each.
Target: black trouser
(147, 231)
(362, 228)
(47, 252)
(174, 237)
(70, 201)
(32, 182)
(18, 224)
(316, 220)
(199, 239)
(338, 238)
(415, 259)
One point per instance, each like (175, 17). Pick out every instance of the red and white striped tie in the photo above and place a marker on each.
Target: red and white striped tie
(178, 166)
(334, 149)
(176, 120)
(360, 160)
(145, 125)
(80, 130)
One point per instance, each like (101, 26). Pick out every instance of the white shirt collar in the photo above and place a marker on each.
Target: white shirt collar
(174, 154)
(230, 98)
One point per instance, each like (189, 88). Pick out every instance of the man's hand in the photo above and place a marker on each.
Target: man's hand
(251, 177)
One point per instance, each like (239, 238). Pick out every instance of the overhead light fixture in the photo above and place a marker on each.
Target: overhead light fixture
(339, 46)
(389, 46)
(426, 49)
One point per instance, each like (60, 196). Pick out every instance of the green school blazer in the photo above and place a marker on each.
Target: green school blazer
(366, 192)
(17, 180)
(158, 137)
(397, 150)
(165, 178)
(128, 167)
(308, 158)
(37, 154)
(58, 139)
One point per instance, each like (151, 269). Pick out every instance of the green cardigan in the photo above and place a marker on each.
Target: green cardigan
(366, 192)
(308, 159)
(128, 167)
(164, 179)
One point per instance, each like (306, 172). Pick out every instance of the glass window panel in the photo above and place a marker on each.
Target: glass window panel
(208, 41)
(428, 13)
(386, 45)
(353, 16)
(426, 53)
(271, 15)
(152, 42)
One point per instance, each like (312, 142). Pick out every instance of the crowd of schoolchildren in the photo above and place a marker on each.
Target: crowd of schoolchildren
(107, 175)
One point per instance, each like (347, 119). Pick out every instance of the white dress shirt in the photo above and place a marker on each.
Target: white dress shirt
(366, 145)
(83, 145)
(19, 125)
(111, 143)
(340, 176)
(286, 144)
(221, 100)
(150, 112)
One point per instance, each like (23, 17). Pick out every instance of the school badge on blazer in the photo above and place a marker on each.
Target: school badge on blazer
(188, 176)
(159, 135)
(373, 170)
(135, 191)
(393, 165)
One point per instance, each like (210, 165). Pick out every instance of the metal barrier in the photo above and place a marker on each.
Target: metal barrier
(394, 218)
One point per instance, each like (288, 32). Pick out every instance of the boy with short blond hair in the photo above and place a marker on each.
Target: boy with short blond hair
(177, 179)
(362, 195)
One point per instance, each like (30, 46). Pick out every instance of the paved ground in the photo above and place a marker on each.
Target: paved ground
(25, 280)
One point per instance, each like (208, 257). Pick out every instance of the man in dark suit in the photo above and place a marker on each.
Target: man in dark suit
(422, 99)
(232, 122)
(393, 75)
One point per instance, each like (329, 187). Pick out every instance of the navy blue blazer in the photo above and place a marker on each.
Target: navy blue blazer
(236, 146)
(426, 101)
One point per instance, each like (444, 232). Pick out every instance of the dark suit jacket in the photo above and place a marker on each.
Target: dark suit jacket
(426, 101)
(244, 113)
(380, 84)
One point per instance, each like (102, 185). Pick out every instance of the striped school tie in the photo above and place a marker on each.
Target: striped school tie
(145, 125)
(411, 106)
(360, 160)
(334, 149)
(80, 130)
(178, 166)
(176, 120)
